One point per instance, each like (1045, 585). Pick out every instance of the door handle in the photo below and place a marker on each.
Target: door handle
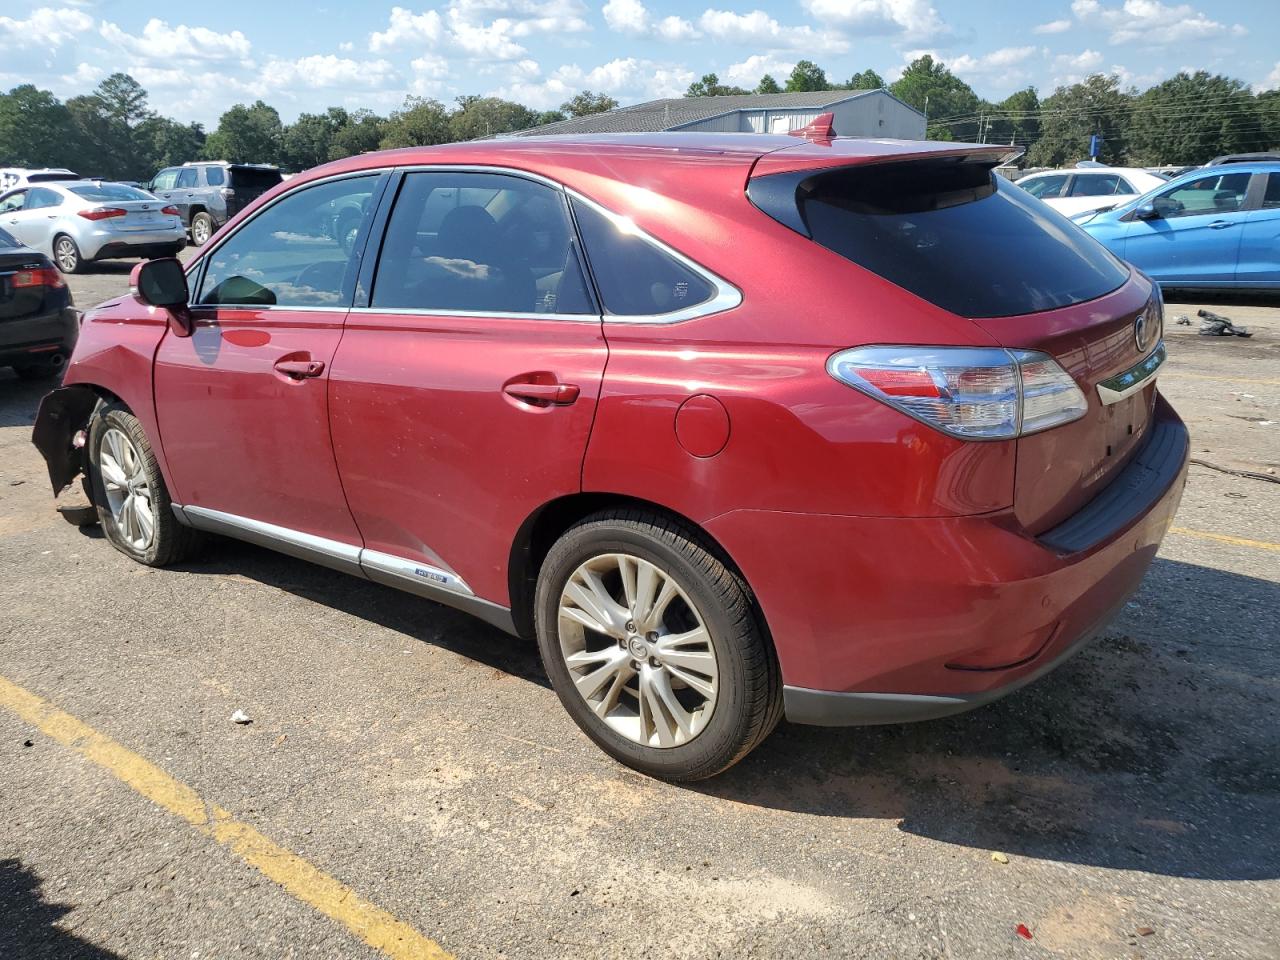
(300, 369)
(1219, 224)
(560, 394)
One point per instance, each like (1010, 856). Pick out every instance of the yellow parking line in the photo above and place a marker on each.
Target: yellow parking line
(1224, 538)
(304, 881)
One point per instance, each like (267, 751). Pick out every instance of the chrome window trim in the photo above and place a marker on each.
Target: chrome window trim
(1126, 384)
(255, 308)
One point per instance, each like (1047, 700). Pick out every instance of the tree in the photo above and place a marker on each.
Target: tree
(487, 117)
(1015, 120)
(587, 103)
(936, 92)
(362, 134)
(166, 143)
(550, 116)
(36, 130)
(1074, 114)
(251, 134)
(308, 141)
(109, 121)
(123, 100)
(807, 75)
(768, 85)
(710, 86)
(419, 123)
(868, 79)
(1192, 118)
(1269, 119)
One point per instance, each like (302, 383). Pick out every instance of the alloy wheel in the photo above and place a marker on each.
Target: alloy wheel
(66, 255)
(128, 493)
(638, 651)
(200, 232)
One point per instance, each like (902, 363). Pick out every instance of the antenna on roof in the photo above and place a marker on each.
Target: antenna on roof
(820, 128)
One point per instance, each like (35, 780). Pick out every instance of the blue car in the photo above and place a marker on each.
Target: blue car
(1212, 228)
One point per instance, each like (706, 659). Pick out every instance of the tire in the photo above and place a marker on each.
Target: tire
(201, 229)
(113, 432)
(67, 255)
(711, 610)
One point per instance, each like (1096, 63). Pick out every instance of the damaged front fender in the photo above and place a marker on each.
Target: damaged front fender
(62, 414)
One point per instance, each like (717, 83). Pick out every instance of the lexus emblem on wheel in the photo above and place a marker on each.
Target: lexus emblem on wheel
(1141, 331)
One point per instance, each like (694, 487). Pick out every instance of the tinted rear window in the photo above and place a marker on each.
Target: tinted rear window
(103, 192)
(249, 178)
(958, 236)
(51, 177)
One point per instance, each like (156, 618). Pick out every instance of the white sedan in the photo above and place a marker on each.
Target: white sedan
(1089, 188)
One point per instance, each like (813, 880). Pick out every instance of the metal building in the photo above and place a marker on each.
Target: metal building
(858, 113)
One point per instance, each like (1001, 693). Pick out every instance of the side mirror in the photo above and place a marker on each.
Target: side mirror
(1147, 211)
(162, 283)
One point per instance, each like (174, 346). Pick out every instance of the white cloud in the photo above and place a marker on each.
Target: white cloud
(627, 78)
(484, 41)
(1004, 67)
(84, 77)
(749, 71)
(1086, 60)
(429, 74)
(1053, 26)
(632, 17)
(324, 71)
(913, 19)
(159, 42)
(522, 18)
(46, 27)
(407, 28)
(759, 29)
(1150, 22)
(1273, 79)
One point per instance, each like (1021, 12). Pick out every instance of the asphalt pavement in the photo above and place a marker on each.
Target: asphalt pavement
(409, 785)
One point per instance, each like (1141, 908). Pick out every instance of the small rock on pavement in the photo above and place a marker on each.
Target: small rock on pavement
(1144, 931)
(241, 717)
(999, 857)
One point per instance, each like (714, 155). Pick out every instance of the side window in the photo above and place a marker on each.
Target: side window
(479, 243)
(186, 177)
(215, 176)
(13, 202)
(634, 277)
(1219, 193)
(39, 197)
(1095, 185)
(1046, 187)
(1124, 186)
(293, 254)
(165, 180)
(1271, 199)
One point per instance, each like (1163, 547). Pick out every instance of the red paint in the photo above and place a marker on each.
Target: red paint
(881, 550)
(1022, 931)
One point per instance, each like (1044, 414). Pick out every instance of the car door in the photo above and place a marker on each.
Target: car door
(242, 404)
(1260, 245)
(165, 186)
(12, 217)
(1195, 236)
(184, 191)
(35, 223)
(464, 390)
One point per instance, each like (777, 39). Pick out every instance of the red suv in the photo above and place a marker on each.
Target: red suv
(737, 426)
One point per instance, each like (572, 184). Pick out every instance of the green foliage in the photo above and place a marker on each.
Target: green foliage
(940, 95)
(1015, 120)
(478, 117)
(1075, 113)
(166, 143)
(36, 130)
(1269, 120)
(587, 103)
(251, 134)
(361, 134)
(866, 80)
(1192, 117)
(768, 85)
(550, 116)
(807, 75)
(710, 86)
(419, 123)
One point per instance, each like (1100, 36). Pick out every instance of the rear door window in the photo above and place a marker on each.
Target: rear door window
(186, 177)
(1271, 199)
(958, 236)
(40, 197)
(1045, 187)
(634, 277)
(1095, 185)
(480, 243)
(214, 176)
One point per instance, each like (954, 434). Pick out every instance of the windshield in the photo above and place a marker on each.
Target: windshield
(107, 192)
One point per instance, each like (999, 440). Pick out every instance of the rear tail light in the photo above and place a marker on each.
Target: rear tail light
(41, 277)
(102, 213)
(975, 393)
(170, 211)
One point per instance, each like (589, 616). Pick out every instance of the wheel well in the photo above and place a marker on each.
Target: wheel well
(540, 531)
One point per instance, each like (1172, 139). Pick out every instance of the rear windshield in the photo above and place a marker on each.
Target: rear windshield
(105, 192)
(250, 178)
(957, 235)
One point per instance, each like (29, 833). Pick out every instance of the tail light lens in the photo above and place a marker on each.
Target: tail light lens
(42, 277)
(102, 213)
(170, 211)
(975, 393)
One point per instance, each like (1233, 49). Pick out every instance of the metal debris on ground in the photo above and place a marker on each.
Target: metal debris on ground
(1215, 325)
(1182, 320)
(1249, 474)
(241, 717)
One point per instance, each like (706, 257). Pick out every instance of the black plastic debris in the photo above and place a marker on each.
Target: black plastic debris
(1215, 325)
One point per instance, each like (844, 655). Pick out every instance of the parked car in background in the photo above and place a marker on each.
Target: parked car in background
(80, 221)
(1244, 158)
(38, 326)
(1087, 188)
(1211, 228)
(729, 446)
(11, 177)
(208, 194)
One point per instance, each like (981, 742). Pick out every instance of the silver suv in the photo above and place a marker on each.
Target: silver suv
(208, 194)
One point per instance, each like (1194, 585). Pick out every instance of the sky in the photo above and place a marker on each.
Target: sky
(196, 60)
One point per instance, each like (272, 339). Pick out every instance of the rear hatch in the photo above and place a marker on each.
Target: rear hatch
(247, 184)
(937, 222)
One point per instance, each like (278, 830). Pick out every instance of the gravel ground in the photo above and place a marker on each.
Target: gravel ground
(419, 757)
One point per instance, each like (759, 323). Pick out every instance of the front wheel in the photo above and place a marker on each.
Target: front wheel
(654, 646)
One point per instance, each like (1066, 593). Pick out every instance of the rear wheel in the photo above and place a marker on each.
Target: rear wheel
(201, 229)
(653, 645)
(66, 254)
(133, 503)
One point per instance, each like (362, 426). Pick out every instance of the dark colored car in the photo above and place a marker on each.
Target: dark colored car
(208, 194)
(38, 326)
(736, 425)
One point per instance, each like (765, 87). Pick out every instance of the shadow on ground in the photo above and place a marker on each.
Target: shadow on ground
(1156, 749)
(28, 921)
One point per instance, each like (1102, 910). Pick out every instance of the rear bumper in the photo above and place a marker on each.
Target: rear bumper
(104, 245)
(34, 339)
(883, 620)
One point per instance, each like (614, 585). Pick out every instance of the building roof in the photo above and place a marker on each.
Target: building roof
(657, 115)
